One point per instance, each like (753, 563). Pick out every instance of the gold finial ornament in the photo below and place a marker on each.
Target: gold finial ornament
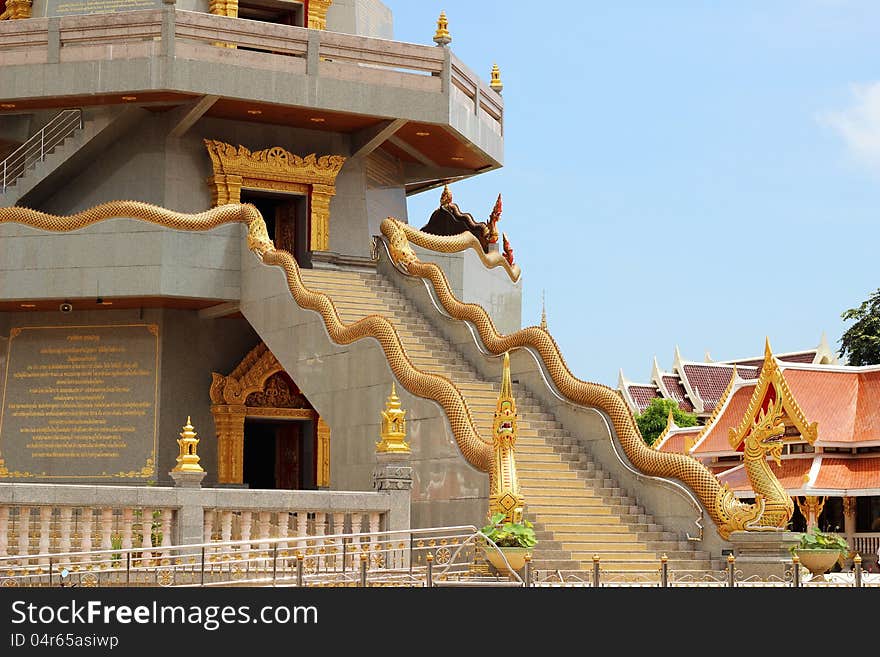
(188, 459)
(442, 37)
(393, 426)
(495, 82)
(543, 312)
(504, 493)
(446, 196)
(494, 218)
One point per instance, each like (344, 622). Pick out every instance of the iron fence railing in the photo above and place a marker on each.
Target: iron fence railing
(434, 557)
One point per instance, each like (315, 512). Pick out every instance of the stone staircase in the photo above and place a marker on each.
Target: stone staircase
(64, 160)
(578, 510)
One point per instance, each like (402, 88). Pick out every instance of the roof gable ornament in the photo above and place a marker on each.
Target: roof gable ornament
(772, 391)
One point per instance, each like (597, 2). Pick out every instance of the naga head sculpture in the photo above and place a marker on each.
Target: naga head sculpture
(768, 431)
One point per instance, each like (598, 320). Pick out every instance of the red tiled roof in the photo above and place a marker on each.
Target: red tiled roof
(803, 357)
(642, 394)
(799, 357)
(867, 425)
(848, 474)
(790, 474)
(828, 398)
(710, 381)
(715, 439)
(751, 362)
(678, 392)
(675, 441)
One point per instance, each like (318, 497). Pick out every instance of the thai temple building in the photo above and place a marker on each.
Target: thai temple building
(216, 311)
(697, 386)
(829, 417)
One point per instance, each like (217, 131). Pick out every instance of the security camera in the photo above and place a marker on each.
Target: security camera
(66, 307)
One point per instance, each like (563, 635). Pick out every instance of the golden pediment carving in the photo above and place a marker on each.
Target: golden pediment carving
(275, 163)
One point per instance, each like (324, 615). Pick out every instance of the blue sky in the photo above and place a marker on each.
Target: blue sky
(688, 173)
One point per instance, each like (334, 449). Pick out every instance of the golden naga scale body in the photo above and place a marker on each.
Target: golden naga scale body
(728, 513)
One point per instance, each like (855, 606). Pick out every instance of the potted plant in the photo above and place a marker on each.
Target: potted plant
(514, 541)
(818, 551)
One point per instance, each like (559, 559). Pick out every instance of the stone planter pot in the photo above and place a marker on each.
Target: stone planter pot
(516, 557)
(819, 561)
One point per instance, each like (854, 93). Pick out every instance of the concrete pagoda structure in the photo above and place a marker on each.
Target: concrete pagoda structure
(203, 215)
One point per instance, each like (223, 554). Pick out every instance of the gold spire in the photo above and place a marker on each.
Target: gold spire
(393, 432)
(495, 83)
(446, 196)
(768, 352)
(188, 459)
(504, 492)
(442, 37)
(543, 312)
(506, 393)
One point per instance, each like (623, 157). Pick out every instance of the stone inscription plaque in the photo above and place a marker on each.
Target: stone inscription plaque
(79, 402)
(78, 7)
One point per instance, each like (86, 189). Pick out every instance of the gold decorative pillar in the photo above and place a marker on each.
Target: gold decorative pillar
(225, 189)
(320, 216)
(811, 508)
(318, 14)
(323, 474)
(229, 423)
(224, 8)
(16, 9)
(849, 518)
(504, 493)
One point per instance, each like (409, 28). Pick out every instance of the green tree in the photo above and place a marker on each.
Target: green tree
(860, 344)
(653, 420)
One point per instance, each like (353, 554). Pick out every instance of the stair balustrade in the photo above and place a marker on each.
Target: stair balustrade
(39, 145)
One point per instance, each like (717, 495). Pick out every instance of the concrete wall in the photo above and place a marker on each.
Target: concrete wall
(147, 166)
(189, 350)
(118, 257)
(348, 385)
(364, 17)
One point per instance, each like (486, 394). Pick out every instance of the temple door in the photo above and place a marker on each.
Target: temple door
(288, 474)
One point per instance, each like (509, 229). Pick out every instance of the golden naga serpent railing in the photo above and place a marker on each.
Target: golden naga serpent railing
(460, 242)
(727, 513)
(476, 451)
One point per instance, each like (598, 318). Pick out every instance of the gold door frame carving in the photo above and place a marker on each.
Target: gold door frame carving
(246, 392)
(276, 169)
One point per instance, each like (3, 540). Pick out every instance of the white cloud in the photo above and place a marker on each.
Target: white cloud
(859, 125)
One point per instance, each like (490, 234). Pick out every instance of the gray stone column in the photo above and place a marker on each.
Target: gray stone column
(190, 516)
(393, 476)
(763, 553)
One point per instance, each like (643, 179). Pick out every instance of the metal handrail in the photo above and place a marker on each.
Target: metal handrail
(39, 145)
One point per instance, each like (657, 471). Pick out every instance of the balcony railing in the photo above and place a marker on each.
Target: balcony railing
(187, 35)
(37, 520)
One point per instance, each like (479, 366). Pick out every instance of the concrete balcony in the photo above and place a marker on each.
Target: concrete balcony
(423, 104)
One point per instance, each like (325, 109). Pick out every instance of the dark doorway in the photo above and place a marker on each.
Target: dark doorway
(279, 454)
(286, 217)
(283, 12)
